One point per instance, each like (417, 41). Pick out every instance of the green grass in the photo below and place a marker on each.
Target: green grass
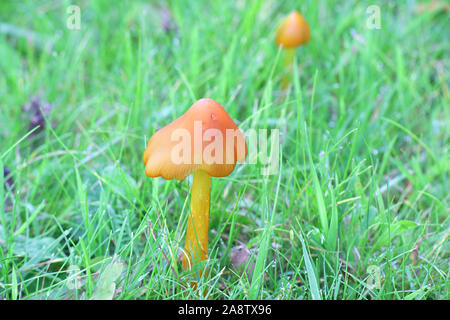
(358, 209)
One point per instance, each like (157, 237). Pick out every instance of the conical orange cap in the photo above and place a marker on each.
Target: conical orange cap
(292, 31)
(205, 137)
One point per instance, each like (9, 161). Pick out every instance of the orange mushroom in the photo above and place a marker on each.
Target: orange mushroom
(207, 143)
(292, 32)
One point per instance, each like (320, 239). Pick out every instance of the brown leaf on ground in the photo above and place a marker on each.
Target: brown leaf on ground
(240, 260)
(414, 256)
(37, 111)
(167, 22)
(7, 177)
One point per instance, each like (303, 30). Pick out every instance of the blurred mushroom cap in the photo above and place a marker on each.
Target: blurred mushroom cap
(292, 31)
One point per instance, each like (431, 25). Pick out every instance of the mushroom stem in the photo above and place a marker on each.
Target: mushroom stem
(196, 245)
(288, 61)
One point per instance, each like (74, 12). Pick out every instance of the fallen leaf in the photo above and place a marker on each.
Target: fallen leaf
(37, 112)
(167, 21)
(240, 260)
(106, 285)
(8, 177)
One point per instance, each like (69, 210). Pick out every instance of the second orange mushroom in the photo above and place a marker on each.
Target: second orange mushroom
(292, 32)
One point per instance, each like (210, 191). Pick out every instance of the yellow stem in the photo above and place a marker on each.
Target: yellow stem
(288, 61)
(196, 245)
